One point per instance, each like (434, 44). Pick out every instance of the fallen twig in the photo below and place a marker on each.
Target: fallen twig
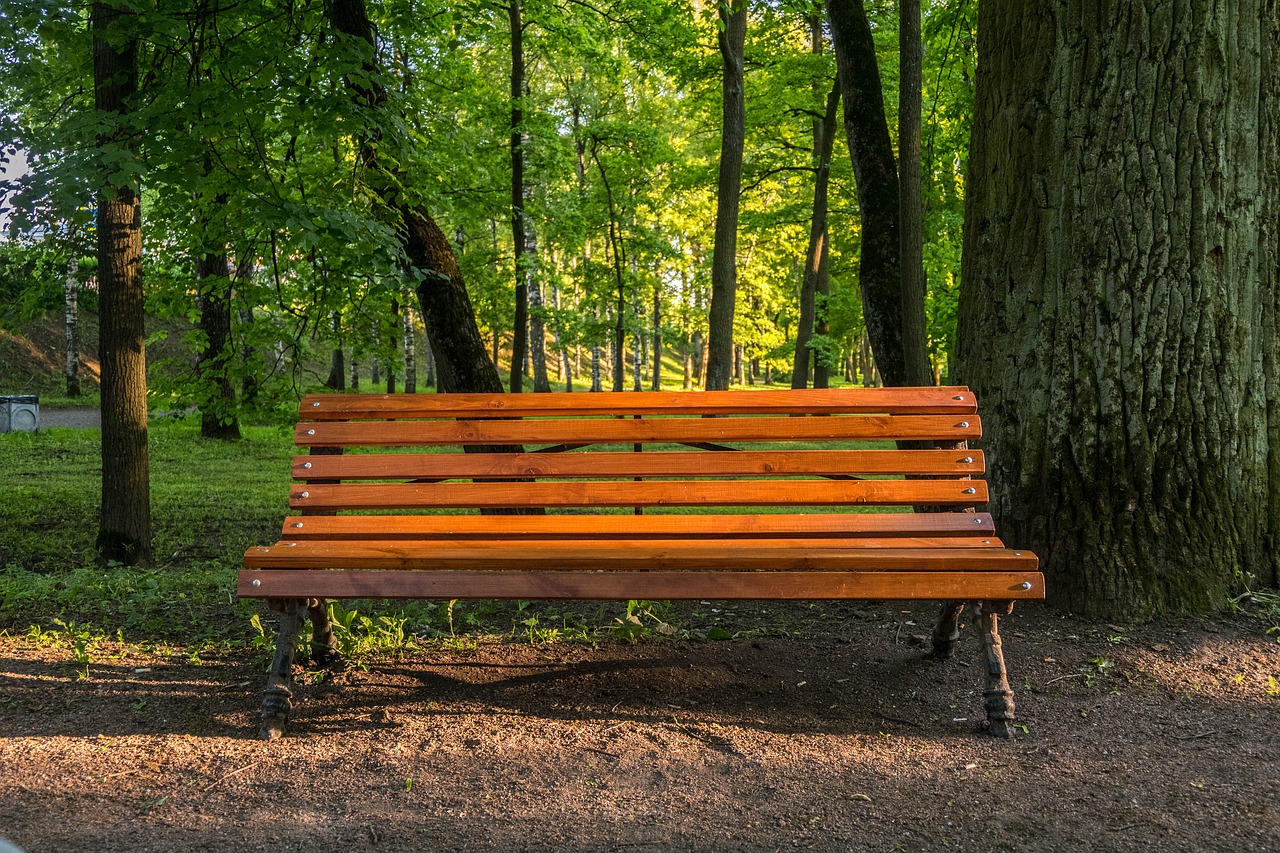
(1195, 737)
(1061, 677)
(218, 782)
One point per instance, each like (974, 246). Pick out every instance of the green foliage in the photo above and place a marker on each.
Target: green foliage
(247, 140)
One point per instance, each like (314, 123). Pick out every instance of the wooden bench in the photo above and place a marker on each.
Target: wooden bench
(736, 495)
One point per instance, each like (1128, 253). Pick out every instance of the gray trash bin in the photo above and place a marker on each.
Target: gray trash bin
(20, 413)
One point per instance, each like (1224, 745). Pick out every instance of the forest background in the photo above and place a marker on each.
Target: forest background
(248, 144)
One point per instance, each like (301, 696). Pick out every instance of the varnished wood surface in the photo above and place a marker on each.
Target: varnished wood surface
(714, 527)
(408, 466)
(927, 400)
(646, 493)
(503, 545)
(628, 555)
(622, 586)
(638, 431)
(804, 555)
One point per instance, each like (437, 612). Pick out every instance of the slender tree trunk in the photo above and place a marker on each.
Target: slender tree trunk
(688, 363)
(537, 314)
(615, 242)
(724, 256)
(218, 396)
(657, 335)
(561, 346)
(910, 207)
(337, 378)
(393, 344)
(1118, 320)
(124, 531)
(520, 345)
(876, 176)
(817, 256)
(72, 292)
(596, 378)
(249, 384)
(429, 358)
(699, 356)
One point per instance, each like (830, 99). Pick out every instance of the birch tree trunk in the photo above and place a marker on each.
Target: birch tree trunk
(72, 292)
(1118, 319)
(410, 351)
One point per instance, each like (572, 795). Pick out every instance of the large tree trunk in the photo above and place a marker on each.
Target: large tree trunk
(461, 361)
(876, 175)
(218, 396)
(124, 531)
(724, 255)
(1118, 319)
(462, 364)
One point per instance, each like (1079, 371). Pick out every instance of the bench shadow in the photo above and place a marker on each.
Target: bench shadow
(756, 685)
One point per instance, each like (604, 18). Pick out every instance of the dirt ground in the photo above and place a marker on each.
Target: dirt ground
(842, 737)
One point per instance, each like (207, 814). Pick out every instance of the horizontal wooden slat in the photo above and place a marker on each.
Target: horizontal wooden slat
(927, 400)
(647, 493)
(410, 466)
(481, 547)
(371, 555)
(631, 431)
(715, 527)
(622, 586)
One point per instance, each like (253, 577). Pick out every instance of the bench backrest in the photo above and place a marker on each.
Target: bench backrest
(818, 458)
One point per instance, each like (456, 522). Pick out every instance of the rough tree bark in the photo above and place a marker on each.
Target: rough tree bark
(1118, 319)
(124, 531)
(724, 254)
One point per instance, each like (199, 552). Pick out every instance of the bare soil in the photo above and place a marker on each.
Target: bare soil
(839, 737)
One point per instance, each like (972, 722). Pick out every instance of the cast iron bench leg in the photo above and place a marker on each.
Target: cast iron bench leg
(999, 698)
(276, 700)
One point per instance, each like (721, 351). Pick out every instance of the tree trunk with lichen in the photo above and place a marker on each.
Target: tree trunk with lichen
(1118, 318)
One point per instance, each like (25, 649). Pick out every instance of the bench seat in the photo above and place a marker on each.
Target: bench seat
(660, 496)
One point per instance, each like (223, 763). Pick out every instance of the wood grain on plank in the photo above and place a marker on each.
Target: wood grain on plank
(409, 466)
(644, 493)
